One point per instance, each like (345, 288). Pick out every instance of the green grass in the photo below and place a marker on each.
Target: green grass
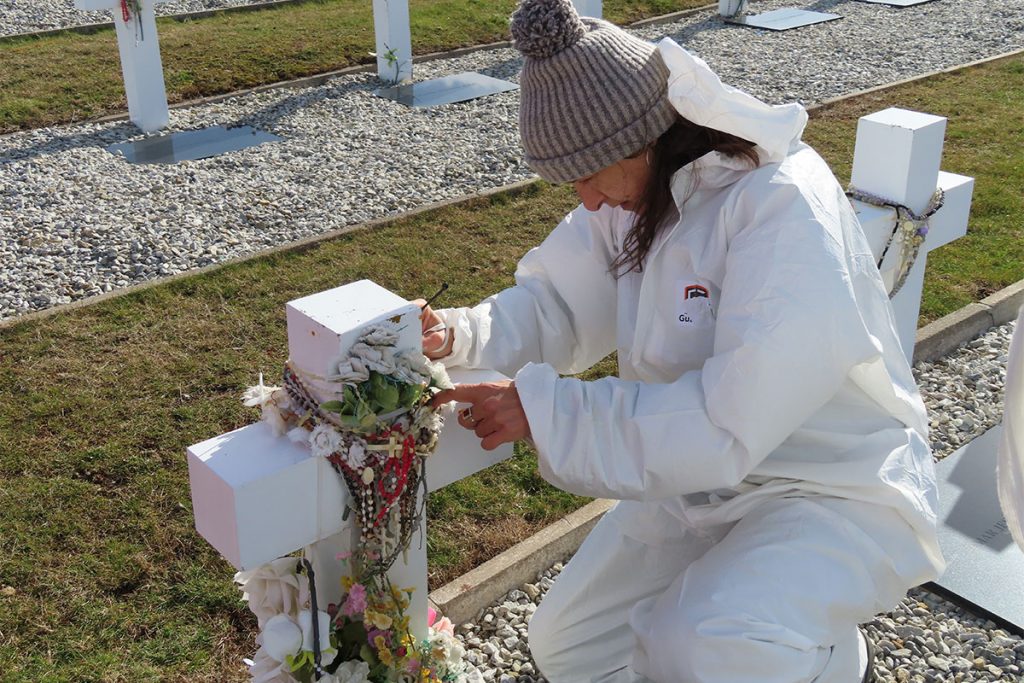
(71, 77)
(97, 405)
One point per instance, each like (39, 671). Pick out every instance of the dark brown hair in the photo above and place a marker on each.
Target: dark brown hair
(682, 143)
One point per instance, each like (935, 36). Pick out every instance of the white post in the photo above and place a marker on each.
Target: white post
(139, 48)
(897, 157)
(394, 40)
(730, 8)
(588, 8)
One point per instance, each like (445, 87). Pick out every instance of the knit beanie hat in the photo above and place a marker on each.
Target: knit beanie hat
(590, 93)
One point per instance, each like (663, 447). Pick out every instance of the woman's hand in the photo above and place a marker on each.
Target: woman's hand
(495, 413)
(437, 339)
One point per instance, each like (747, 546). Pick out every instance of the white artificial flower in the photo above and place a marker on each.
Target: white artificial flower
(428, 419)
(282, 637)
(299, 435)
(404, 677)
(412, 367)
(355, 456)
(271, 589)
(380, 359)
(259, 395)
(266, 669)
(350, 370)
(447, 651)
(382, 334)
(440, 375)
(324, 440)
(327, 653)
(274, 419)
(352, 671)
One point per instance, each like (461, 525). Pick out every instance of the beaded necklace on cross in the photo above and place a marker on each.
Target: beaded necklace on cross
(912, 227)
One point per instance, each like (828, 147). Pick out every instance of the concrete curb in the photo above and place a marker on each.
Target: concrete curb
(939, 337)
(464, 598)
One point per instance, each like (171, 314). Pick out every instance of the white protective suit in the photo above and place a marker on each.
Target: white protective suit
(1010, 465)
(765, 436)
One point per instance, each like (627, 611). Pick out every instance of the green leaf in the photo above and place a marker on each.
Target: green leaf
(411, 394)
(333, 406)
(368, 655)
(351, 399)
(388, 397)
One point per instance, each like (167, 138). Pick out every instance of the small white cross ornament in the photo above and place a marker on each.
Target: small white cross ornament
(897, 157)
(139, 48)
(257, 497)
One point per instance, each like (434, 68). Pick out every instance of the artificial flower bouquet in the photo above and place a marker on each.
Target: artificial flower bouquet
(371, 417)
(366, 639)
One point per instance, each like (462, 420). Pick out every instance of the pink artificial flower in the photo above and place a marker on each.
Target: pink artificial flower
(413, 666)
(445, 625)
(355, 601)
(431, 616)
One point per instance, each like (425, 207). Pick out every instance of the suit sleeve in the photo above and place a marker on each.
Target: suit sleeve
(561, 310)
(787, 333)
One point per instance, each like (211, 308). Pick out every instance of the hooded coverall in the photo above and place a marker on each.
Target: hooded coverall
(765, 437)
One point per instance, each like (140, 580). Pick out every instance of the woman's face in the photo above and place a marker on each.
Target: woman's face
(618, 185)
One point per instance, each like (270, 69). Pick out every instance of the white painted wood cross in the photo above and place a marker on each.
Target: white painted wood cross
(257, 497)
(139, 48)
(897, 157)
(393, 38)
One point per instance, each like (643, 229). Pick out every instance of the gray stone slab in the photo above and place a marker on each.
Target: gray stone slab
(782, 19)
(897, 3)
(458, 88)
(190, 145)
(985, 568)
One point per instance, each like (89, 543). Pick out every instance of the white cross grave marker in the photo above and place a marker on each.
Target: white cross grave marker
(393, 38)
(897, 157)
(257, 497)
(139, 48)
(730, 8)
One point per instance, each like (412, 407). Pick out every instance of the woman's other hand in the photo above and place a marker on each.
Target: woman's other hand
(437, 339)
(495, 412)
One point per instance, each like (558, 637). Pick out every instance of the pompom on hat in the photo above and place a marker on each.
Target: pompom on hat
(590, 93)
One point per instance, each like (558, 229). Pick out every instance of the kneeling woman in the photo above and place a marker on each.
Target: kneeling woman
(765, 437)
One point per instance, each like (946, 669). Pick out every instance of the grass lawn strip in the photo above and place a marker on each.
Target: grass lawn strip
(72, 77)
(97, 404)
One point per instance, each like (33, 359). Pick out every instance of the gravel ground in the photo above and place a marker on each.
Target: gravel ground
(76, 220)
(25, 16)
(925, 639)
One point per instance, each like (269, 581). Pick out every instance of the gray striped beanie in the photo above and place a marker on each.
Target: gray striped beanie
(590, 93)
